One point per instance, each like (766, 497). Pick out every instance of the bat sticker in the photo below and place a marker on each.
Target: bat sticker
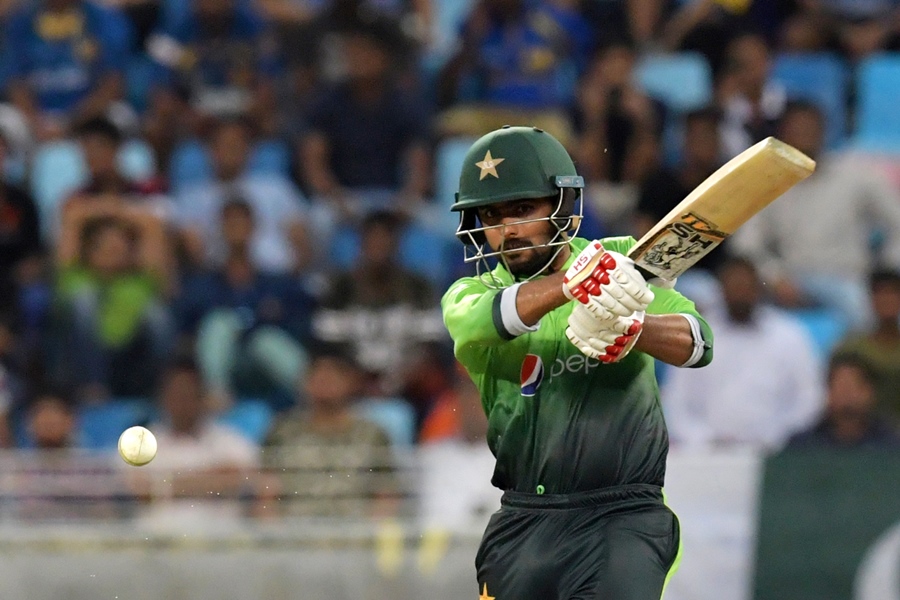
(678, 246)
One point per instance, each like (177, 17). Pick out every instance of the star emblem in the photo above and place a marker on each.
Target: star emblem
(484, 592)
(488, 166)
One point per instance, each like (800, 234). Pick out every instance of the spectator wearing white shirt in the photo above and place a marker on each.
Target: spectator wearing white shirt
(202, 466)
(456, 494)
(814, 245)
(763, 383)
(280, 242)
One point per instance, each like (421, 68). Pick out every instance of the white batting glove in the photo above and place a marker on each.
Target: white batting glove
(607, 283)
(607, 340)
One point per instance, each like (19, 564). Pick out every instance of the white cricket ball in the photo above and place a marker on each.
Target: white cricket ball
(137, 446)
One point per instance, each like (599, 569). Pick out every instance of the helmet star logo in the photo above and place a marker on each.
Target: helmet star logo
(484, 593)
(488, 166)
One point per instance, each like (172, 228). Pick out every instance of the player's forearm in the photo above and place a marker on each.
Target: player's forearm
(667, 338)
(536, 298)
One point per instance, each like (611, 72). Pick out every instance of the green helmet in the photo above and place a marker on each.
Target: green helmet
(516, 163)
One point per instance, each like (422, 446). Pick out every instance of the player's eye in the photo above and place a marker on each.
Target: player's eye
(488, 214)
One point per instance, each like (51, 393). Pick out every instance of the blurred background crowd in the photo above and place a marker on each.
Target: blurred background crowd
(229, 220)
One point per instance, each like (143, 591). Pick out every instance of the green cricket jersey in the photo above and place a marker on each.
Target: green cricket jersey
(560, 422)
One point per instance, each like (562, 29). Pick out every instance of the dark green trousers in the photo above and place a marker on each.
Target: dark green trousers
(614, 544)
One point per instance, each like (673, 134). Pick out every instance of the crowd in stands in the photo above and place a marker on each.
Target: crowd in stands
(231, 217)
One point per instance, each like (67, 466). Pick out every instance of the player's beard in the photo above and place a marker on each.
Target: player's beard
(531, 260)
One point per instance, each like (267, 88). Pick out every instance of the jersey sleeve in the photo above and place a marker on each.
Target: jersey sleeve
(671, 302)
(468, 310)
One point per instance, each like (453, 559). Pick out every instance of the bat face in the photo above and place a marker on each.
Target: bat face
(678, 246)
(719, 206)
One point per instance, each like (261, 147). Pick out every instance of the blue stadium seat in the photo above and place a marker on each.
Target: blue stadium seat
(821, 78)
(448, 159)
(682, 81)
(99, 426)
(877, 117)
(447, 18)
(136, 160)
(190, 164)
(394, 415)
(251, 417)
(826, 327)
(57, 170)
(271, 156)
(421, 250)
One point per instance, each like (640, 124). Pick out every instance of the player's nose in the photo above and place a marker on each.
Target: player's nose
(510, 227)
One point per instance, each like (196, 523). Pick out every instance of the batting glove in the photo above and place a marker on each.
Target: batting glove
(607, 283)
(607, 340)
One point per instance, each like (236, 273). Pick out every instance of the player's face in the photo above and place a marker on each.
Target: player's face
(520, 239)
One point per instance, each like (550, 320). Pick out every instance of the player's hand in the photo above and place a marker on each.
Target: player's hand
(607, 340)
(607, 283)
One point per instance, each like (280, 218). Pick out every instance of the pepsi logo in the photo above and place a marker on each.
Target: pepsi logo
(532, 374)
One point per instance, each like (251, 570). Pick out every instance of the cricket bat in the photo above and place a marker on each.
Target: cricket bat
(719, 206)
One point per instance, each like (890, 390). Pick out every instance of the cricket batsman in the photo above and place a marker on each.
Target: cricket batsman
(560, 338)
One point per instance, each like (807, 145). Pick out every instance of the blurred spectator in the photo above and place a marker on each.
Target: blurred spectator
(851, 419)
(244, 320)
(616, 141)
(143, 16)
(751, 102)
(367, 141)
(110, 293)
(662, 190)
(708, 26)
(59, 483)
(101, 141)
(426, 376)
(305, 26)
(6, 405)
(641, 21)
(516, 58)
(815, 243)
(857, 28)
(201, 470)
(20, 240)
(280, 241)
(19, 371)
(456, 462)
(378, 307)
(328, 461)
(224, 54)
(518, 53)
(64, 61)
(763, 383)
(51, 421)
(614, 119)
(880, 346)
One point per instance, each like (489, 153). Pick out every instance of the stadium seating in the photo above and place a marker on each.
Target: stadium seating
(821, 78)
(877, 117)
(99, 426)
(251, 417)
(825, 327)
(191, 164)
(394, 415)
(682, 81)
(57, 170)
